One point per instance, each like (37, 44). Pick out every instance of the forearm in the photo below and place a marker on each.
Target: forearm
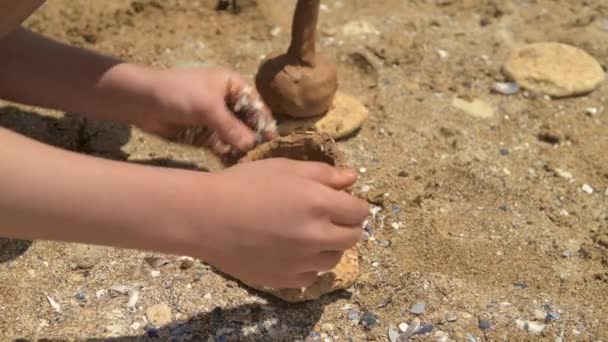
(52, 194)
(38, 71)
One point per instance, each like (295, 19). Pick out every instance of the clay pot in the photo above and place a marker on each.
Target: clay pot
(299, 83)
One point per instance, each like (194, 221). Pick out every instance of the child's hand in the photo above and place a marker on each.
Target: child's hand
(276, 222)
(211, 107)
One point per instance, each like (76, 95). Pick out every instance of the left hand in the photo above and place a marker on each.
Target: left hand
(210, 107)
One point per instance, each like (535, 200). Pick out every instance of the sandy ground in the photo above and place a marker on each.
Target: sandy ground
(485, 220)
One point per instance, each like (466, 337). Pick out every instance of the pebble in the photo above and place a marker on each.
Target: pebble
(587, 188)
(362, 170)
(504, 152)
(477, 108)
(159, 314)
(471, 338)
(369, 319)
(56, 306)
(412, 328)
(327, 327)
(564, 174)
(133, 298)
(353, 315)
(156, 262)
(393, 334)
(81, 296)
(485, 325)
(118, 289)
(424, 329)
(155, 274)
(418, 308)
(539, 315)
(553, 316)
(451, 317)
(554, 69)
(403, 327)
(506, 88)
(531, 327)
(115, 330)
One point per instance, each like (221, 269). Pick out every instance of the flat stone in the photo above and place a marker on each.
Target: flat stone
(344, 118)
(159, 314)
(418, 308)
(554, 69)
(476, 108)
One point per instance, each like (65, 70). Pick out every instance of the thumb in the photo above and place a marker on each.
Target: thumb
(231, 130)
(325, 174)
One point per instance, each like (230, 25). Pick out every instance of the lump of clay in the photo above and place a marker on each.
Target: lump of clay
(554, 69)
(313, 147)
(299, 83)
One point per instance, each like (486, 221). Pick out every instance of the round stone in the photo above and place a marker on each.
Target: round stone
(345, 117)
(554, 69)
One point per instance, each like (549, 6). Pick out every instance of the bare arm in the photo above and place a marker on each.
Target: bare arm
(41, 72)
(52, 194)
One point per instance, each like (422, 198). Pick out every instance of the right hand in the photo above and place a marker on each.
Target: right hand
(279, 222)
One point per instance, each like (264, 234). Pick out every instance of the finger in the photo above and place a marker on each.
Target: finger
(301, 280)
(345, 209)
(325, 174)
(248, 106)
(231, 130)
(340, 238)
(326, 261)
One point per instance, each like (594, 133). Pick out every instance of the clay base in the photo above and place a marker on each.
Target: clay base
(315, 147)
(345, 117)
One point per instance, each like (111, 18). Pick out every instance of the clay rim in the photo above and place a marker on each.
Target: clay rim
(320, 143)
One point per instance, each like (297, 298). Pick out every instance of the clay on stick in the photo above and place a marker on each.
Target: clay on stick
(299, 83)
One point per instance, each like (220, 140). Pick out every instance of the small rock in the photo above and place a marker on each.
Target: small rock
(504, 152)
(403, 174)
(503, 207)
(554, 69)
(451, 317)
(442, 337)
(587, 188)
(553, 316)
(362, 170)
(411, 329)
(151, 331)
(506, 88)
(133, 298)
(81, 296)
(275, 31)
(156, 262)
(403, 327)
(56, 306)
(485, 325)
(520, 285)
(393, 334)
(385, 243)
(369, 319)
(471, 338)
(477, 108)
(531, 327)
(539, 315)
(159, 314)
(591, 111)
(327, 327)
(118, 289)
(353, 315)
(116, 329)
(424, 329)
(563, 174)
(418, 308)
(155, 274)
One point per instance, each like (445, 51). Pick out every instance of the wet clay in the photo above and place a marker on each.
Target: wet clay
(299, 83)
(313, 147)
